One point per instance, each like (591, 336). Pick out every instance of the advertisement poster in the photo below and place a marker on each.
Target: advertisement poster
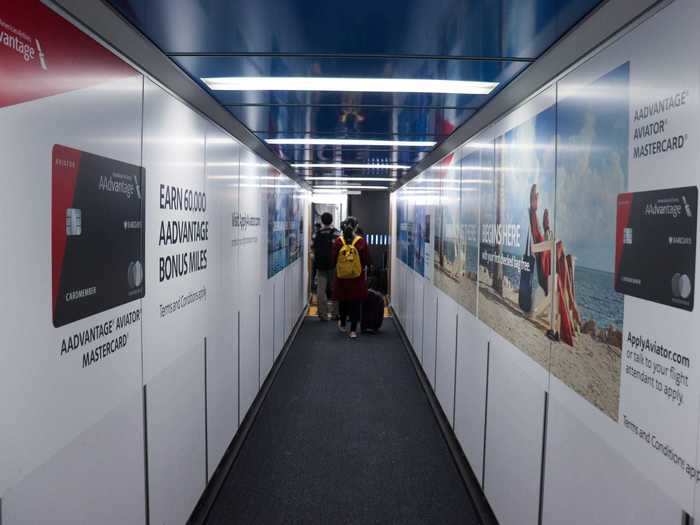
(449, 251)
(457, 274)
(517, 235)
(97, 241)
(421, 228)
(626, 224)
(285, 228)
(410, 232)
(74, 271)
(402, 226)
(592, 169)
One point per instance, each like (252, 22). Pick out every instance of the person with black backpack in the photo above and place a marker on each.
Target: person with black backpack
(322, 249)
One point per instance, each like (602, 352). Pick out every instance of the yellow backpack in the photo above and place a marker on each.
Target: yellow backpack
(348, 265)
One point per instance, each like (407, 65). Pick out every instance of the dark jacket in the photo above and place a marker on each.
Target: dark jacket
(323, 257)
(351, 289)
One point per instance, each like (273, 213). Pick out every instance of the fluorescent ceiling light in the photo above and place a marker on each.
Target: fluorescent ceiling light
(352, 142)
(351, 187)
(352, 166)
(362, 85)
(349, 179)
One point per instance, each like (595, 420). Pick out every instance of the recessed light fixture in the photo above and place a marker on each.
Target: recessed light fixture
(349, 179)
(308, 165)
(352, 142)
(363, 85)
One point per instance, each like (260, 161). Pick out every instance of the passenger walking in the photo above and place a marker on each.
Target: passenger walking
(351, 256)
(317, 227)
(324, 264)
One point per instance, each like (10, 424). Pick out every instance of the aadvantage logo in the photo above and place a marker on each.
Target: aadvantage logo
(18, 41)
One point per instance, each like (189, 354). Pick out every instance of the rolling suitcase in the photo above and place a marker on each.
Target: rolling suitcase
(372, 311)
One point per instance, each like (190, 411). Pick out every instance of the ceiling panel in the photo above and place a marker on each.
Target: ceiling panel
(483, 40)
(515, 28)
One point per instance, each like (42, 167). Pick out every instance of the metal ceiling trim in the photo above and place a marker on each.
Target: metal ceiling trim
(604, 25)
(108, 25)
(349, 56)
(380, 135)
(344, 106)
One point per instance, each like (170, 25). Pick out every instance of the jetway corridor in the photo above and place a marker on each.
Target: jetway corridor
(187, 186)
(344, 435)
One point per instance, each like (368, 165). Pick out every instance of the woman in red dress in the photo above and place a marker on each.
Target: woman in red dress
(351, 293)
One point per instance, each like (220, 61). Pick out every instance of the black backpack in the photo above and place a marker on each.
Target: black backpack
(323, 248)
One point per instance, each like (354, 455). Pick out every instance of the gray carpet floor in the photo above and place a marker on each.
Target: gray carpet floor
(346, 435)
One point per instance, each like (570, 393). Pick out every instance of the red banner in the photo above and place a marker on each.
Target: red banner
(42, 54)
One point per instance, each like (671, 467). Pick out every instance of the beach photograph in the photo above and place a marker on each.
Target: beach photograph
(402, 228)
(593, 134)
(452, 249)
(410, 232)
(421, 227)
(516, 277)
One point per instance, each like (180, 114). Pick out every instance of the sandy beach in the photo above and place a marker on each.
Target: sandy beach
(463, 290)
(591, 367)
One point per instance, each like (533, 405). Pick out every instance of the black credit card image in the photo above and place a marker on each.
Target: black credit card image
(655, 245)
(97, 234)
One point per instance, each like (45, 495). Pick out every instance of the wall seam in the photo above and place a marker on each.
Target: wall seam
(437, 316)
(486, 415)
(238, 371)
(147, 500)
(206, 416)
(543, 460)
(259, 337)
(454, 390)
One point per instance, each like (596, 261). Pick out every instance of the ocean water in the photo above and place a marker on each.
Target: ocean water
(597, 299)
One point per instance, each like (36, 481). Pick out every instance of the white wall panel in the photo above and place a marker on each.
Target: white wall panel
(404, 292)
(278, 319)
(267, 336)
(419, 296)
(222, 156)
(173, 156)
(252, 275)
(445, 358)
(289, 275)
(249, 360)
(470, 393)
(396, 294)
(515, 424)
(409, 317)
(430, 312)
(97, 478)
(587, 481)
(176, 438)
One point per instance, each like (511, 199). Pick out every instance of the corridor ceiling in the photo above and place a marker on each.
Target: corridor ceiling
(461, 40)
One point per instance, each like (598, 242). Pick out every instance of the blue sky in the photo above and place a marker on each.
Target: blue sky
(593, 127)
